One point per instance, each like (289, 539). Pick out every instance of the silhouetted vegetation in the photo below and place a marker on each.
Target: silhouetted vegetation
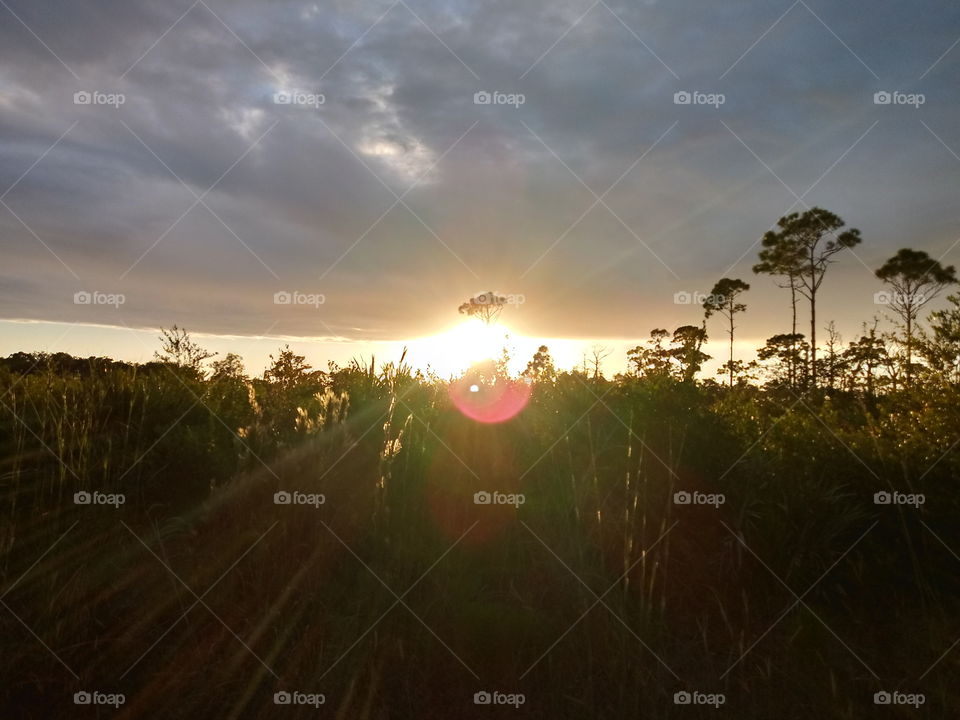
(799, 594)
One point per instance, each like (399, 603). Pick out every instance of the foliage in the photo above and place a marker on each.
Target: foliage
(486, 306)
(723, 299)
(799, 251)
(201, 457)
(916, 279)
(178, 348)
(599, 462)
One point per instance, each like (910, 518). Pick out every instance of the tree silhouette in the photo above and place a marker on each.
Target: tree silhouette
(798, 250)
(687, 341)
(723, 299)
(541, 367)
(916, 279)
(834, 365)
(229, 368)
(782, 260)
(486, 306)
(777, 259)
(598, 353)
(865, 356)
(179, 349)
(786, 351)
(287, 369)
(942, 349)
(652, 361)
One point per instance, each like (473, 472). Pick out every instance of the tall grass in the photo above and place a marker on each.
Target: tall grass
(490, 597)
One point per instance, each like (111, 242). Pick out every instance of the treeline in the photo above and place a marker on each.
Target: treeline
(169, 431)
(811, 479)
(797, 255)
(199, 451)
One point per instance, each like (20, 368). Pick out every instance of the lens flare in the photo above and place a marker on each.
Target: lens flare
(489, 400)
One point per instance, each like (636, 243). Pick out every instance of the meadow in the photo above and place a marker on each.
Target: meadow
(650, 545)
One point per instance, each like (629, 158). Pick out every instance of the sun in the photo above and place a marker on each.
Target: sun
(466, 343)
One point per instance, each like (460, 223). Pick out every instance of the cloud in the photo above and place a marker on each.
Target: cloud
(398, 196)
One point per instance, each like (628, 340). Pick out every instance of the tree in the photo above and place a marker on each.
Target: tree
(486, 306)
(687, 341)
(803, 255)
(865, 356)
(942, 349)
(598, 353)
(652, 361)
(179, 349)
(287, 370)
(785, 351)
(228, 395)
(287, 391)
(779, 259)
(916, 279)
(230, 368)
(723, 299)
(834, 364)
(541, 367)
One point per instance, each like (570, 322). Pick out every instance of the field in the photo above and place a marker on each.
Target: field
(641, 537)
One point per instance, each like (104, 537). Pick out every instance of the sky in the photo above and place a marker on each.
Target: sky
(378, 163)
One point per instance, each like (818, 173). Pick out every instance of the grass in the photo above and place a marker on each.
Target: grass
(399, 597)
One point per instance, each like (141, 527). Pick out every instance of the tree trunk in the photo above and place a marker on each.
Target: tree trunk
(793, 305)
(909, 347)
(731, 345)
(793, 330)
(813, 319)
(813, 339)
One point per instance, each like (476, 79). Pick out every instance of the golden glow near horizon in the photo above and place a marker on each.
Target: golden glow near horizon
(448, 353)
(457, 348)
(454, 350)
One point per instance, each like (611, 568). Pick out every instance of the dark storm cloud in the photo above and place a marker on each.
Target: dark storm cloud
(299, 193)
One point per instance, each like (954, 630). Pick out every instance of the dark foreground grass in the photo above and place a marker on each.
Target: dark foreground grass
(400, 597)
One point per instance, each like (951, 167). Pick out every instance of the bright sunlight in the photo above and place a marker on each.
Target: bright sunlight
(466, 343)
